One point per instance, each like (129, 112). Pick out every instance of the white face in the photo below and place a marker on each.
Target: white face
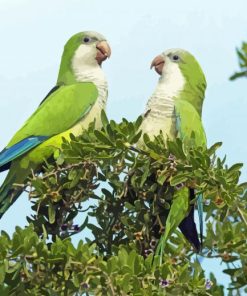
(171, 81)
(92, 51)
(171, 66)
(85, 56)
(171, 72)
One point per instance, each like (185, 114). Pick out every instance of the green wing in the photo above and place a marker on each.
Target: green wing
(59, 112)
(189, 125)
(191, 132)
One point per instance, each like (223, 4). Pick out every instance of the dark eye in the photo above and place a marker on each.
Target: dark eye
(175, 57)
(87, 39)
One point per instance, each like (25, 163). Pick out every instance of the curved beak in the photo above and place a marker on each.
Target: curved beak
(103, 51)
(158, 64)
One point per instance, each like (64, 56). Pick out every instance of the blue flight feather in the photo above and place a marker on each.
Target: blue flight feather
(8, 154)
(178, 125)
(200, 215)
(178, 122)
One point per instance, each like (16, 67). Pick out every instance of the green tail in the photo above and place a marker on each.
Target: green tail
(7, 198)
(8, 192)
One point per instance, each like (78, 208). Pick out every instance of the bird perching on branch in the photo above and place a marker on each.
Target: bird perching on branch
(77, 99)
(175, 109)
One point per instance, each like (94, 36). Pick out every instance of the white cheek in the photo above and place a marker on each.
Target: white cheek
(85, 54)
(86, 69)
(172, 78)
(170, 68)
(86, 50)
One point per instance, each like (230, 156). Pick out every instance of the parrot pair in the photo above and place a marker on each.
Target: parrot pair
(79, 97)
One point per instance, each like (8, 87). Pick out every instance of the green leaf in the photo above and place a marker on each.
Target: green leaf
(75, 179)
(231, 272)
(176, 148)
(51, 213)
(110, 132)
(138, 122)
(163, 176)
(104, 118)
(214, 147)
(145, 173)
(146, 139)
(178, 179)
(235, 167)
(84, 224)
(2, 273)
(103, 138)
(55, 260)
(134, 139)
(126, 283)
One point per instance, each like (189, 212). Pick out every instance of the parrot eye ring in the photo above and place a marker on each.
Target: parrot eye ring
(87, 39)
(175, 57)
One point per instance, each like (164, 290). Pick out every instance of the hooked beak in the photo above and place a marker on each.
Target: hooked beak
(103, 52)
(158, 64)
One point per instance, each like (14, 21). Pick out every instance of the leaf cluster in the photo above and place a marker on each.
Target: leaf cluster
(124, 185)
(242, 60)
(29, 267)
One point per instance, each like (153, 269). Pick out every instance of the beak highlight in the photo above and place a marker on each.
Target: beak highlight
(158, 64)
(103, 51)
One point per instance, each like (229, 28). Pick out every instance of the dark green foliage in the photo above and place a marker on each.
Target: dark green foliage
(129, 191)
(242, 60)
(29, 267)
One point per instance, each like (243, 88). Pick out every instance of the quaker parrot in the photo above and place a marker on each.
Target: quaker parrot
(175, 108)
(77, 99)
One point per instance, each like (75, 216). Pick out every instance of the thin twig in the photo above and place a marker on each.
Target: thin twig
(69, 167)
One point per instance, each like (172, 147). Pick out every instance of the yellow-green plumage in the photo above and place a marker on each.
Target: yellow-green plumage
(77, 100)
(175, 109)
(68, 108)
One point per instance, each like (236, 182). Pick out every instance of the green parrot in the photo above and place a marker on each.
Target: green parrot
(77, 99)
(175, 108)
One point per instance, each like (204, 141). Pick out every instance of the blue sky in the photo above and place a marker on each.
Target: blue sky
(33, 34)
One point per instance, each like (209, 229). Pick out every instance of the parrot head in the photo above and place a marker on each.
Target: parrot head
(82, 51)
(179, 67)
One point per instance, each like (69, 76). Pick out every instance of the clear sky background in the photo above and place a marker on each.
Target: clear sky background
(33, 34)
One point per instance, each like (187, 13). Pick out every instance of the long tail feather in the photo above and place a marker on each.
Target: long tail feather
(178, 210)
(8, 192)
(200, 214)
(7, 199)
(188, 226)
